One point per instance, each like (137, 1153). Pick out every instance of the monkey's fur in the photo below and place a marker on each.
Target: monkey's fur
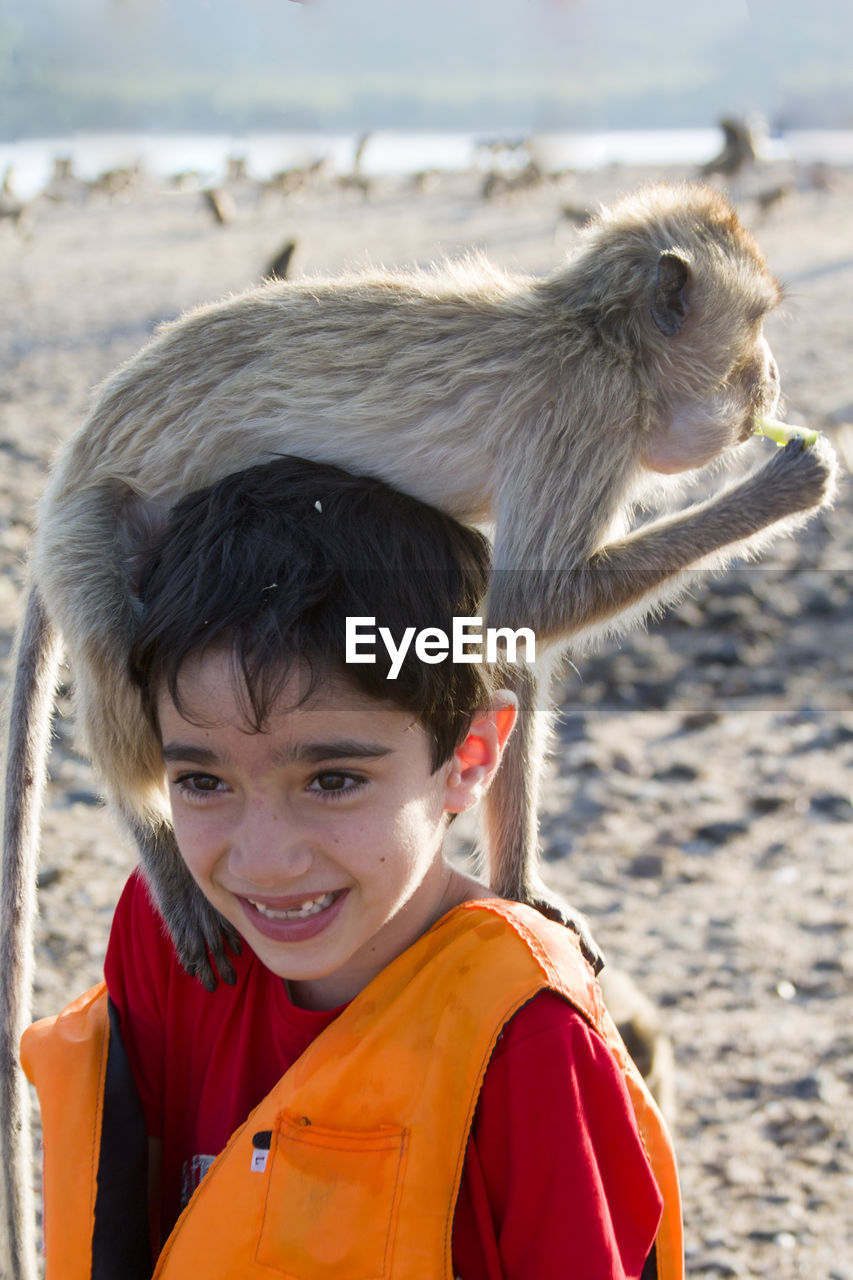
(537, 404)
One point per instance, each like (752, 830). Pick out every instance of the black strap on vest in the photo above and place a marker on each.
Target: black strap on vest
(120, 1240)
(650, 1267)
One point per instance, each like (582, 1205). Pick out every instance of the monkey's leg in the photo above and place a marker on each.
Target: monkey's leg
(511, 803)
(30, 710)
(199, 933)
(511, 820)
(624, 574)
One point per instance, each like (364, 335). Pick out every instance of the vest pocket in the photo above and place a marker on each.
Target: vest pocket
(332, 1199)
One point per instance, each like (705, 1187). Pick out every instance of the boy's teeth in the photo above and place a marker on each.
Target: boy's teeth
(309, 908)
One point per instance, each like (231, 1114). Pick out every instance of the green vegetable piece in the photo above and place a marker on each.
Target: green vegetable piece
(782, 433)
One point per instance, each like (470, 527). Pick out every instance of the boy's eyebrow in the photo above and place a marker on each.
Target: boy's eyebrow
(306, 753)
(339, 748)
(184, 751)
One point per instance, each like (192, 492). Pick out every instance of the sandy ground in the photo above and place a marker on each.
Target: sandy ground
(699, 801)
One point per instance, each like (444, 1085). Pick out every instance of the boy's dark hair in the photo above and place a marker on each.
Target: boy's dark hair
(269, 562)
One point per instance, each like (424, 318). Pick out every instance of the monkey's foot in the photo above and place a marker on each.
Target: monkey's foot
(562, 912)
(202, 939)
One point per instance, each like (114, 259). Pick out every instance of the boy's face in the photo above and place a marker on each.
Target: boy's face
(320, 839)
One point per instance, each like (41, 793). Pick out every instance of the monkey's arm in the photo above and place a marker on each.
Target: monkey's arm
(631, 573)
(640, 567)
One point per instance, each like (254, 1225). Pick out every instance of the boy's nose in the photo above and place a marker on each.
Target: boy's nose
(269, 850)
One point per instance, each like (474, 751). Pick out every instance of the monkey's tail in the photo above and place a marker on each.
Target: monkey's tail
(28, 735)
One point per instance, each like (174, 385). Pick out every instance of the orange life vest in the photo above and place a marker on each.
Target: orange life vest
(350, 1167)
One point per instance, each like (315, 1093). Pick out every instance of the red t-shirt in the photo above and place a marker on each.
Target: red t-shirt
(556, 1182)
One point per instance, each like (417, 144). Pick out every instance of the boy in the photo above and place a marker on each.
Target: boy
(407, 1078)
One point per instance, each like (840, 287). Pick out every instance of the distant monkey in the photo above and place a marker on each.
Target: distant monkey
(220, 204)
(737, 152)
(537, 404)
(280, 264)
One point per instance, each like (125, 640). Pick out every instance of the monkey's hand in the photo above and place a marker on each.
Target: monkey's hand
(555, 908)
(803, 471)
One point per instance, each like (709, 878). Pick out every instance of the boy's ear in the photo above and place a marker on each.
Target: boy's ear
(476, 759)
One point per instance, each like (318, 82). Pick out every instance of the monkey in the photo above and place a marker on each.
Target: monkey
(220, 204)
(769, 197)
(534, 404)
(578, 214)
(280, 264)
(737, 152)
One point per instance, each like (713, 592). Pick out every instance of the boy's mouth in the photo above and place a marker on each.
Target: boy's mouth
(292, 917)
(302, 911)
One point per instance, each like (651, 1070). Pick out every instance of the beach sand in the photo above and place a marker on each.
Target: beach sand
(698, 804)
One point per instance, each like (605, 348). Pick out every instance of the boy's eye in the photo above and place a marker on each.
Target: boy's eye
(198, 782)
(333, 782)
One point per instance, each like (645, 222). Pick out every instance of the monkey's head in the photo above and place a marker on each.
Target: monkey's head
(680, 288)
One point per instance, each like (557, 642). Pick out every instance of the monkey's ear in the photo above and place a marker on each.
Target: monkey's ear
(671, 297)
(140, 523)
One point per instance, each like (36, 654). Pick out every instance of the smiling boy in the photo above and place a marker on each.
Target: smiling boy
(319, 839)
(407, 1078)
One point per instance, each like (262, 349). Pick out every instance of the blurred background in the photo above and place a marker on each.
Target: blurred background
(480, 64)
(487, 67)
